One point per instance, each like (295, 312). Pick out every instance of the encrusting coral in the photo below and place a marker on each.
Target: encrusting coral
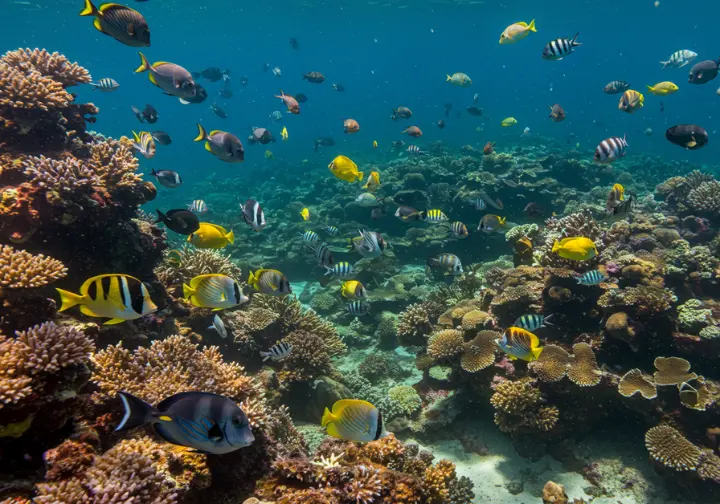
(22, 270)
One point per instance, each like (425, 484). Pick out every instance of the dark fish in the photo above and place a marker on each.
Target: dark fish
(294, 44)
(378, 213)
(149, 114)
(261, 136)
(201, 95)
(244, 81)
(218, 111)
(616, 87)
(207, 422)
(212, 74)
(401, 113)
(625, 207)
(406, 213)
(168, 178)
(489, 148)
(253, 215)
(162, 137)
(440, 124)
(324, 141)
(314, 77)
(339, 88)
(559, 48)
(703, 72)
(122, 23)
(557, 113)
(301, 98)
(448, 108)
(183, 222)
(474, 111)
(690, 136)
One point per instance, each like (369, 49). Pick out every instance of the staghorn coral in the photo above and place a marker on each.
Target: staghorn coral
(552, 364)
(583, 369)
(635, 381)
(672, 449)
(672, 371)
(445, 344)
(22, 270)
(29, 90)
(55, 66)
(479, 353)
(414, 325)
(181, 265)
(407, 397)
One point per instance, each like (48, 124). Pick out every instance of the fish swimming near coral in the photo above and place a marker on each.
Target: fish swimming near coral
(122, 23)
(212, 236)
(459, 230)
(575, 248)
(305, 214)
(209, 423)
(611, 149)
(615, 196)
(448, 264)
(345, 169)
(532, 321)
(519, 343)
(352, 289)
(219, 326)
(331, 230)
(253, 215)
(171, 78)
(434, 216)
(342, 269)
(105, 85)
(323, 255)
(373, 182)
(214, 291)
(358, 308)
(369, 244)
(269, 281)
(491, 222)
(406, 214)
(115, 296)
(198, 207)
(181, 221)
(594, 277)
(354, 420)
(309, 236)
(277, 352)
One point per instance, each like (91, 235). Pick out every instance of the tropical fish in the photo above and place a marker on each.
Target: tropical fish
(105, 85)
(291, 103)
(225, 146)
(354, 420)
(331, 230)
(345, 169)
(487, 150)
(532, 321)
(440, 124)
(162, 137)
(219, 326)
(611, 149)
(703, 72)
(557, 114)
(322, 141)
(310, 236)
(200, 96)
(276, 116)
(277, 72)
(358, 308)
(144, 144)
(406, 213)
(214, 291)
(517, 31)
(490, 223)
(559, 48)
(338, 87)
(522, 252)
(624, 208)
(373, 182)
(209, 423)
(323, 255)
(616, 86)
(520, 344)
(218, 111)
(401, 113)
(305, 214)
(474, 111)
(115, 296)
(269, 155)
(576, 248)
(449, 264)
(375, 144)
(148, 114)
(314, 77)
(352, 289)
(181, 221)
(211, 236)
(413, 131)
(198, 206)
(294, 44)
(122, 23)
(690, 136)
(261, 136)
(508, 121)
(171, 78)
(367, 200)
(593, 277)
(434, 216)
(615, 196)
(351, 126)
(679, 59)
(168, 178)
(253, 215)
(414, 150)
(630, 101)
(277, 352)
(269, 281)
(213, 74)
(459, 79)
(284, 133)
(369, 244)
(663, 88)
(459, 230)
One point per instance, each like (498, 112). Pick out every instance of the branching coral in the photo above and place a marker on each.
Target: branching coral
(445, 344)
(21, 270)
(62, 176)
(414, 325)
(635, 381)
(705, 197)
(518, 406)
(55, 66)
(180, 265)
(309, 359)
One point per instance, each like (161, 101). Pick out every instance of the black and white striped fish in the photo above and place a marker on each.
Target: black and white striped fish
(414, 150)
(480, 204)
(323, 256)
(198, 206)
(559, 48)
(532, 321)
(358, 308)
(145, 144)
(679, 59)
(332, 230)
(616, 87)
(611, 149)
(105, 85)
(277, 352)
(310, 236)
(253, 215)
(342, 269)
(594, 277)
(459, 230)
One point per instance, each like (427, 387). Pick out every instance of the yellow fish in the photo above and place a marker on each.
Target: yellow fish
(354, 420)
(663, 88)
(520, 344)
(352, 289)
(345, 169)
(630, 101)
(373, 182)
(211, 236)
(269, 155)
(305, 214)
(517, 31)
(619, 192)
(509, 121)
(375, 144)
(269, 281)
(116, 296)
(576, 248)
(214, 291)
(284, 133)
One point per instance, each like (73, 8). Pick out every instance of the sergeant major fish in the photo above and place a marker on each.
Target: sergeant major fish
(594, 277)
(277, 352)
(616, 87)
(323, 255)
(679, 59)
(532, 321)
(105, 85)
(610, 149)
(559, 48)
(449, 264)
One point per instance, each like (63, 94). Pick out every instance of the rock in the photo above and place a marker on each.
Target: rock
(327, 392)
(554, 494)
(515, 487)
(617, 326)
(412, 198)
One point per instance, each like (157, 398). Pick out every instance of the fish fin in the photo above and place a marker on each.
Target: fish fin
(136, 137)
(512, 357)
(574, 42)
(89, 9)
(87, 311)
(208, 147)
(161, 216)
(502, 220)
(536, 352)
(531, 26)
(98, 25)
(556, 247)
(188, 291)
(216, 309)
(664, 64)
(137, 412)
(69, 299)
(230, 237)
(252, 280)
(327, 418)
(183, 101)
(144, 65)
(202, 134)
(114, 321)
(360, 176)
(448, 79)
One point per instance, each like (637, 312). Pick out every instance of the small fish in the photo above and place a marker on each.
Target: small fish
(557, 49)
(277, 72)
(322, 141)
(369, 244)
(368, 200)
(148, 114)
(532, 321)
(223, 145)
(208, 423)
(144, 144)
(594, 277)
(490, 223)
(575, 248)
(171, 78)
(269, 155)
(398, 144)
(413, 131)
(487, 150)
(323, 256)
(630, 101)
(479, 204)
(219, 326)
(345, 169)
(434, 216)
(352, 289)
(616, 87)
(508, 121)
(679, 59)
(406, 213)
(339, 88)
(342, 269)
(522, 252)
(161, 137)
(663, 88)
(277, 352)
(310, 236)
(275, 116)
(213, 74)
(373, 182)
(253, 215)
(331, 230)
(351, 126)
(358, 308)
(459, 230)
(261, 136)
(440, 124)
(375, 144)
(459, 79)
(517, 31)
(198, 206)
(414, 150)
(269, 281)
(354, 420)
(183, 222)
(115, 296)
(291, 103)
(625, 208)
(168, 178)
(449, 264)
(211, 236)
(648, 132)
(611, 149)
(520, 344)
(105, 85)
(557, 113)
(200, 96)
(305, 214)
(218, 111)
(534, 210)
(401, 113)
(526, 131)
(474, 111)
(314, 77)
(294, 44)
(615, 196)
(689, 136)
(122, 23)
(284, 134)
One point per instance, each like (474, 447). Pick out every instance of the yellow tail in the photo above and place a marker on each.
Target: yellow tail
(144, 64)
(202, 134)
(187, 291)
(360, 176)
(556, 246)
(536, 352)
(448, 78)
(69, 299)
(327, 418)
(89, 9)
(252, 281)
(651, 88)
(502, 220)
(230, 237)
(137, 138)
(531, 26)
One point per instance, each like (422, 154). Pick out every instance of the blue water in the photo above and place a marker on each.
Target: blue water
(389, 54)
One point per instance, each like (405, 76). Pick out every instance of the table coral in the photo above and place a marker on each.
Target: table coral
(552, 364)
(583, 370)
(479, 353)
(635, 381)
(672, 449)
(672, 371)
(445, 344)
(22, 270)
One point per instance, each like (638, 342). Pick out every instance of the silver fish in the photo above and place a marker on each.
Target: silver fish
(105, 85)
(369, 244)
(219, 326)
(277, 352)
(198, 206)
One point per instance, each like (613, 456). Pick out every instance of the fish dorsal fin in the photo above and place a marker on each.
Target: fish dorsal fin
(567, 240)
(522, 23)
(160, 63)
(215, 131)
(342, 404)
(165, 404)
(98, 25)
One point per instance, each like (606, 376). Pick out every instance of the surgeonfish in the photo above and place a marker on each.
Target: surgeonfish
(616, 86)
(354, 420)
(305, 214)
(352, 289)
(519, 343)
(105, 85)
(611, 149)
(459, 79)
(663, 88)
(345, 169)
(214, 291)
(211, 236)
(342, 269)
(679, 59)
(181, 221)
(435, 216)
(406, 213)
(559, 48)
(145, 144)
(508, 121)
(122, 23)
(369, 244)
(704, 72)
(373, 182)
(223, 145)
(449, 264)
(575, 248)
(277, 352)
(209, 423)
(171, 78)
(630, 101)
(594, 277)
(168, 178)
(161, 137)
(219, 326)
(358, 308)
(293, 107)
(148, 114)
(115, 296)
(401, 113)
(517, 31)
(269, 281)
(532, 321)
(253, 215)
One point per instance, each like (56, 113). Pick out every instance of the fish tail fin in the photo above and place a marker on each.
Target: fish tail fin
(187, 291)
(153, 172)
(327, 418)
(202, 134)
(448, 78)
(394, 114)
(137, 412)
(664, 64)
(536, 352)
(230, 237)
(556, 246)
(144, 64)
(531, 26)
(161, 216)
(69, 299)
(89, 9)
(502, 220)
(360, 176)
(625, 140)
(651, 88)
(574, 41)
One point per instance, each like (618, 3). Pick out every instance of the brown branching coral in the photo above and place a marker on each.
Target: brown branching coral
(30, 90)
(584, 370)
(635, 381)
(672, 449)
(480, 352)
(414, 325)
(518, 406)
(646, 300)
(445, 344)
(437, 479)
(62, 176)
(55, 66)
(22, 270)
(672, 371)
(552, 364)
(181, 265)
(309, 359)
